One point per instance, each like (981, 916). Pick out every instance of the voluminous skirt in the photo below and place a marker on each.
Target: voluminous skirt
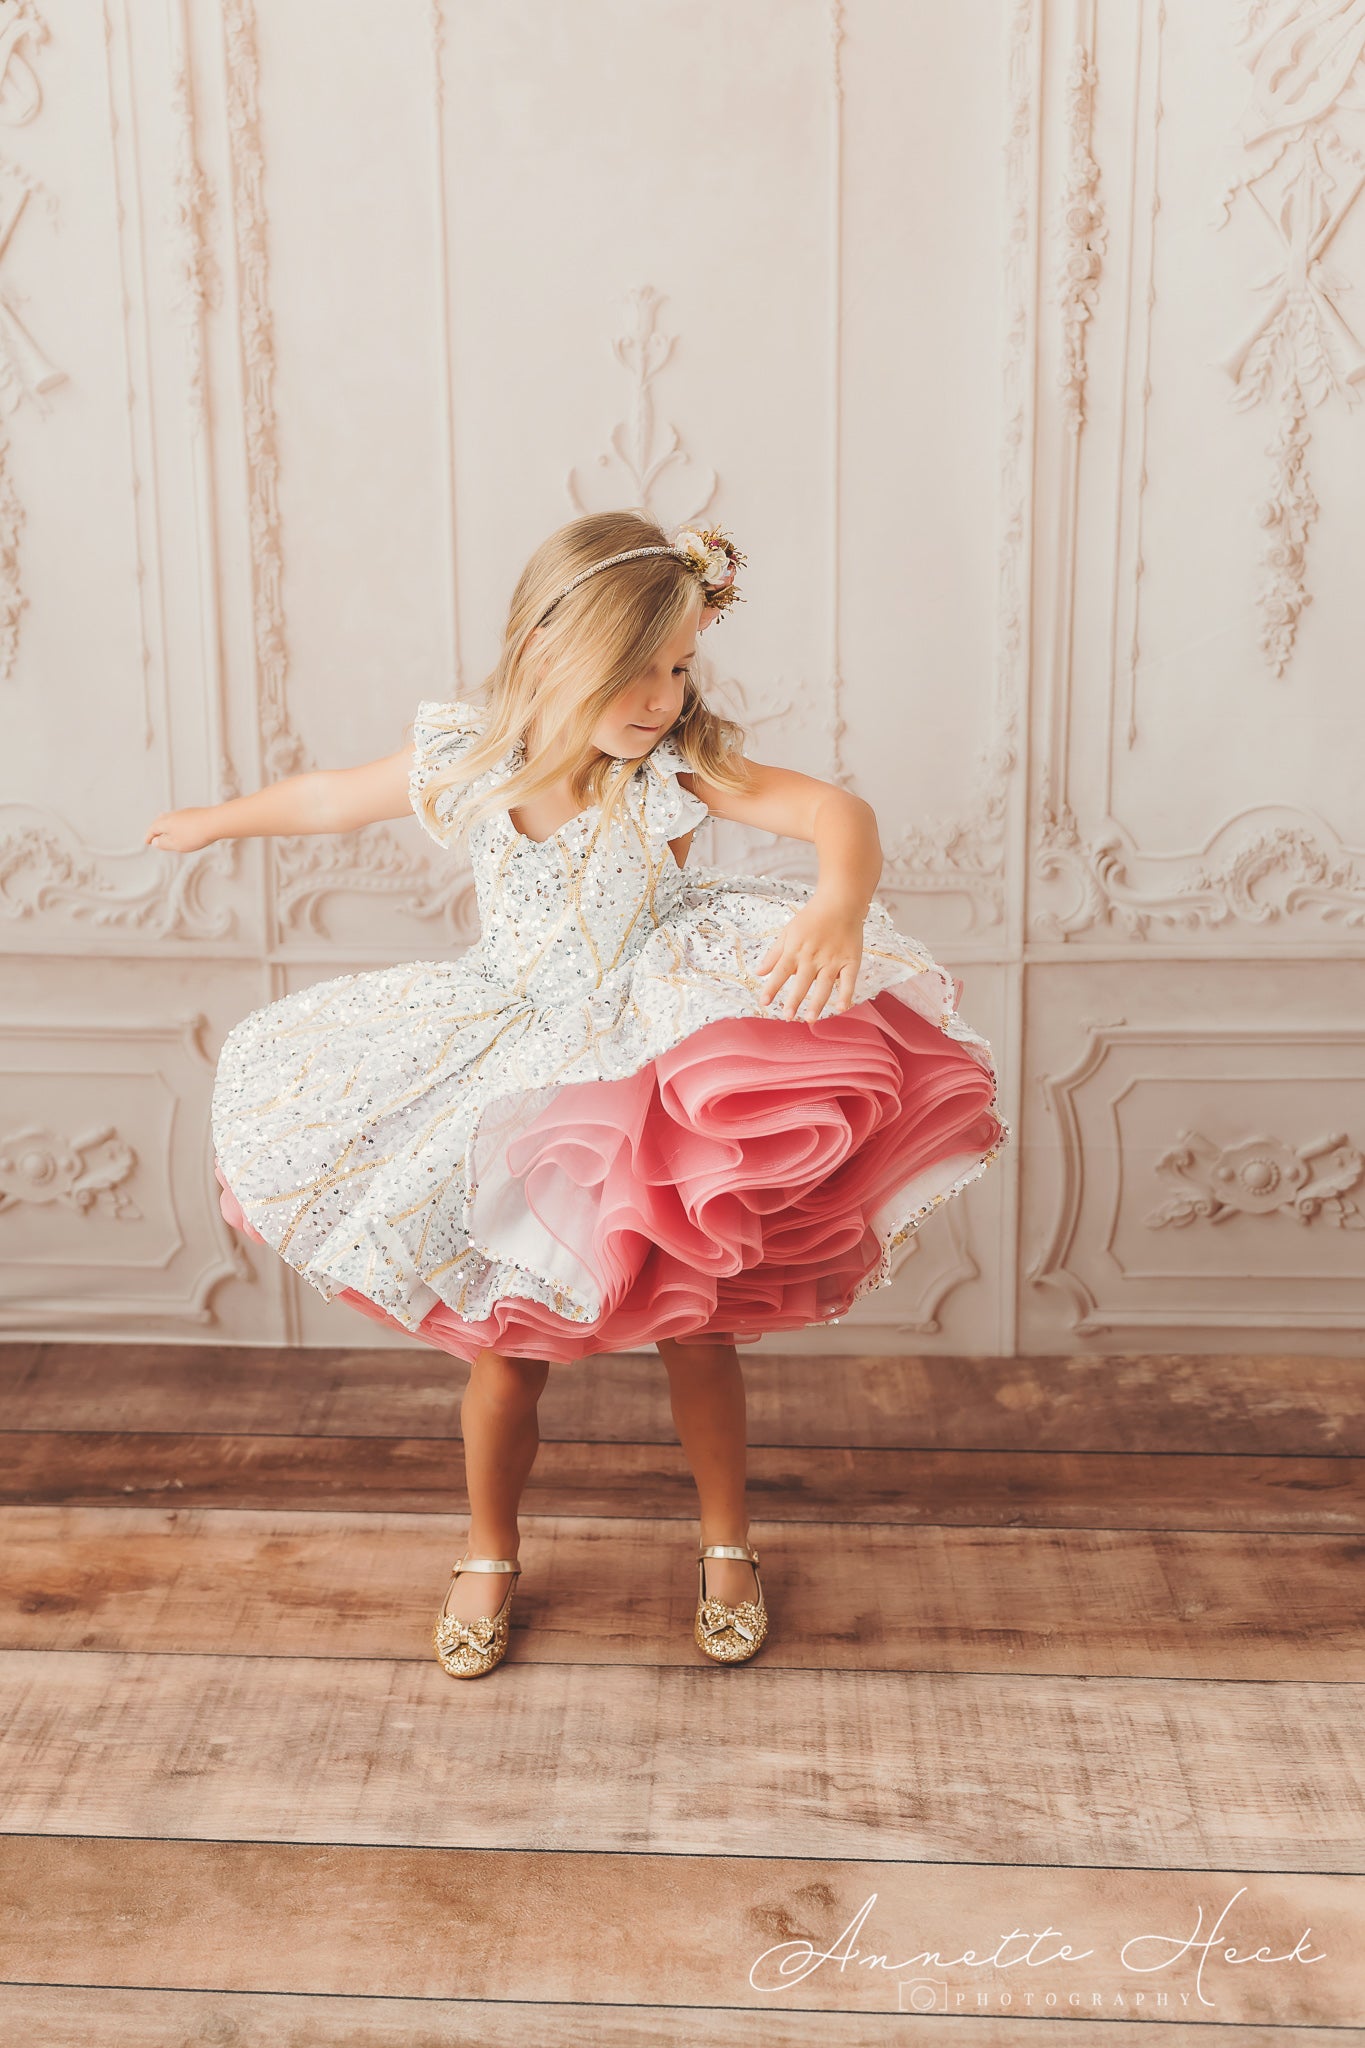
(748, 1173)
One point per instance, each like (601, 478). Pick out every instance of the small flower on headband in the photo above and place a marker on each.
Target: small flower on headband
(715, 558)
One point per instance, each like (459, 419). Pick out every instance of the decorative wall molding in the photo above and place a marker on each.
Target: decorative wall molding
(639, 452)
(1204, 1056)
(1256, 870)
(26, 372)
(189, 220)
(371, 862)
(282, 749)
(436, 28)
(304, 870)
(173, 1249)
(950, 1273)
(52, 880)
(840, 771)
(1275, 869)
(965, 855)
(1304, 173)
(190, 214)
(1084, 232)
(38, 1166)
(1260, 1176)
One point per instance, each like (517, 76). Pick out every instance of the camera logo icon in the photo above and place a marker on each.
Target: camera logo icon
(922, 1994)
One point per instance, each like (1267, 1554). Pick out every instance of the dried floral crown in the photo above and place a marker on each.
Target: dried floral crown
(709, 553)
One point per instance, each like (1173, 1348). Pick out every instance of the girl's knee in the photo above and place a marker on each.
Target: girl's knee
(515, 1382)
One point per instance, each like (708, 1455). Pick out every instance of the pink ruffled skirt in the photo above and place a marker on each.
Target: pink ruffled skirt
(744, 1181)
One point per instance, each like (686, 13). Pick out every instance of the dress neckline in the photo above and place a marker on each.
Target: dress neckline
(550, 837)
(517, 754)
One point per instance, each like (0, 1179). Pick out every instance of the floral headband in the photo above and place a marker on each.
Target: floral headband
(710, 554)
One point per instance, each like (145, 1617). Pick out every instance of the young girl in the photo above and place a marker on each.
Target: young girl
(652, 1104)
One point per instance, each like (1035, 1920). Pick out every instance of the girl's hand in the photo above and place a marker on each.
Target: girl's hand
(818, 950)
(182, 831)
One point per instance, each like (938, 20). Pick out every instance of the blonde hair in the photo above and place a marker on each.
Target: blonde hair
(591, 646)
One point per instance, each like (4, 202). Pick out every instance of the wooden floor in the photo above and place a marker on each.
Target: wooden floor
(1065, 1650)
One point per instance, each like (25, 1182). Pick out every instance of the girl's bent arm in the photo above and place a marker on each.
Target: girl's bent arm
(841, 826)
(820, 948)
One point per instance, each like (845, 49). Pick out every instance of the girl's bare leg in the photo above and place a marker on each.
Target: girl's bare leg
(500, 1426)
(706, 1389)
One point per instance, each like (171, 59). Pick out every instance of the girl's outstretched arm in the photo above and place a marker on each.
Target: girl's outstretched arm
(320, 800)
(820, 948)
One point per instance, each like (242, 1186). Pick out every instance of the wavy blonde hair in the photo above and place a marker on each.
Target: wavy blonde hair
(593, 644)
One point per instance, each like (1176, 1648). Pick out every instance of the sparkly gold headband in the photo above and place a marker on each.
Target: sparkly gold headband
(710, 554)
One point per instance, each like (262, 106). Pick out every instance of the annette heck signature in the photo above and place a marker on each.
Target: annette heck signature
(790, 1962)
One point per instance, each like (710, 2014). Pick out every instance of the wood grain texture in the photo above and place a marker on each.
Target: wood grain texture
(58, 2016)
(1090, 1623)
(664, 1930)
(1091, 1603)
(1014, 1489)
(1147, 1402)
(923, 1765)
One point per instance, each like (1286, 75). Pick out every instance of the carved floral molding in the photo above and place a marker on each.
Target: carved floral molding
(50, 876)
(1080, 1251)
(641, 455)
(1260, 1176)
(1271, 876)
(38, 1166)
(1302, 138)
(25, 371)
(1085, 235)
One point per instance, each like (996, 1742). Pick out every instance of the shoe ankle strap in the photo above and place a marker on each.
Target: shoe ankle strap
(486, 1564)
(744, 1550)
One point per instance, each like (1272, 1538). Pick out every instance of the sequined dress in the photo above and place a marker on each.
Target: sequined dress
(585, 1132)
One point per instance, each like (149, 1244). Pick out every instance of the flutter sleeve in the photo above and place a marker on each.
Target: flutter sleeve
(670, 809)
(441, 734)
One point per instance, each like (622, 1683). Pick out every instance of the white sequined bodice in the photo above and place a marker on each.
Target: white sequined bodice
(559, 916)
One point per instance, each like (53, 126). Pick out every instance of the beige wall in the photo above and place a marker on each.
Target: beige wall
(1015, 340)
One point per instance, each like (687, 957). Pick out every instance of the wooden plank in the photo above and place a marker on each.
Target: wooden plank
(58, 2016)
(1090, 1603)
(688, 1932)
(405, 1475)
(1153, 1403)
(1109, 1772)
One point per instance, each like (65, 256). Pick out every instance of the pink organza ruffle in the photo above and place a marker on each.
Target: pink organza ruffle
(728, 1187)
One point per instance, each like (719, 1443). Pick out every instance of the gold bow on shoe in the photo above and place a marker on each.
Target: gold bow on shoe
(729, 1633)
(467, 1649)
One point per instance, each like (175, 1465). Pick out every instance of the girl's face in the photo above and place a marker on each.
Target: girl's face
(651, 701)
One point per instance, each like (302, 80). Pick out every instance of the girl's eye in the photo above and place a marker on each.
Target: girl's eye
(681, 671)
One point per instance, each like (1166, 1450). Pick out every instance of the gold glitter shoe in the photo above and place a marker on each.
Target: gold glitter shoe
(729, 1634)
(466, 1649)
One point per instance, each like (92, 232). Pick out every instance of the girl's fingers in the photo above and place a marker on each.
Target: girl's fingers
(820, 990)
(799, 989)
(785, 965)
